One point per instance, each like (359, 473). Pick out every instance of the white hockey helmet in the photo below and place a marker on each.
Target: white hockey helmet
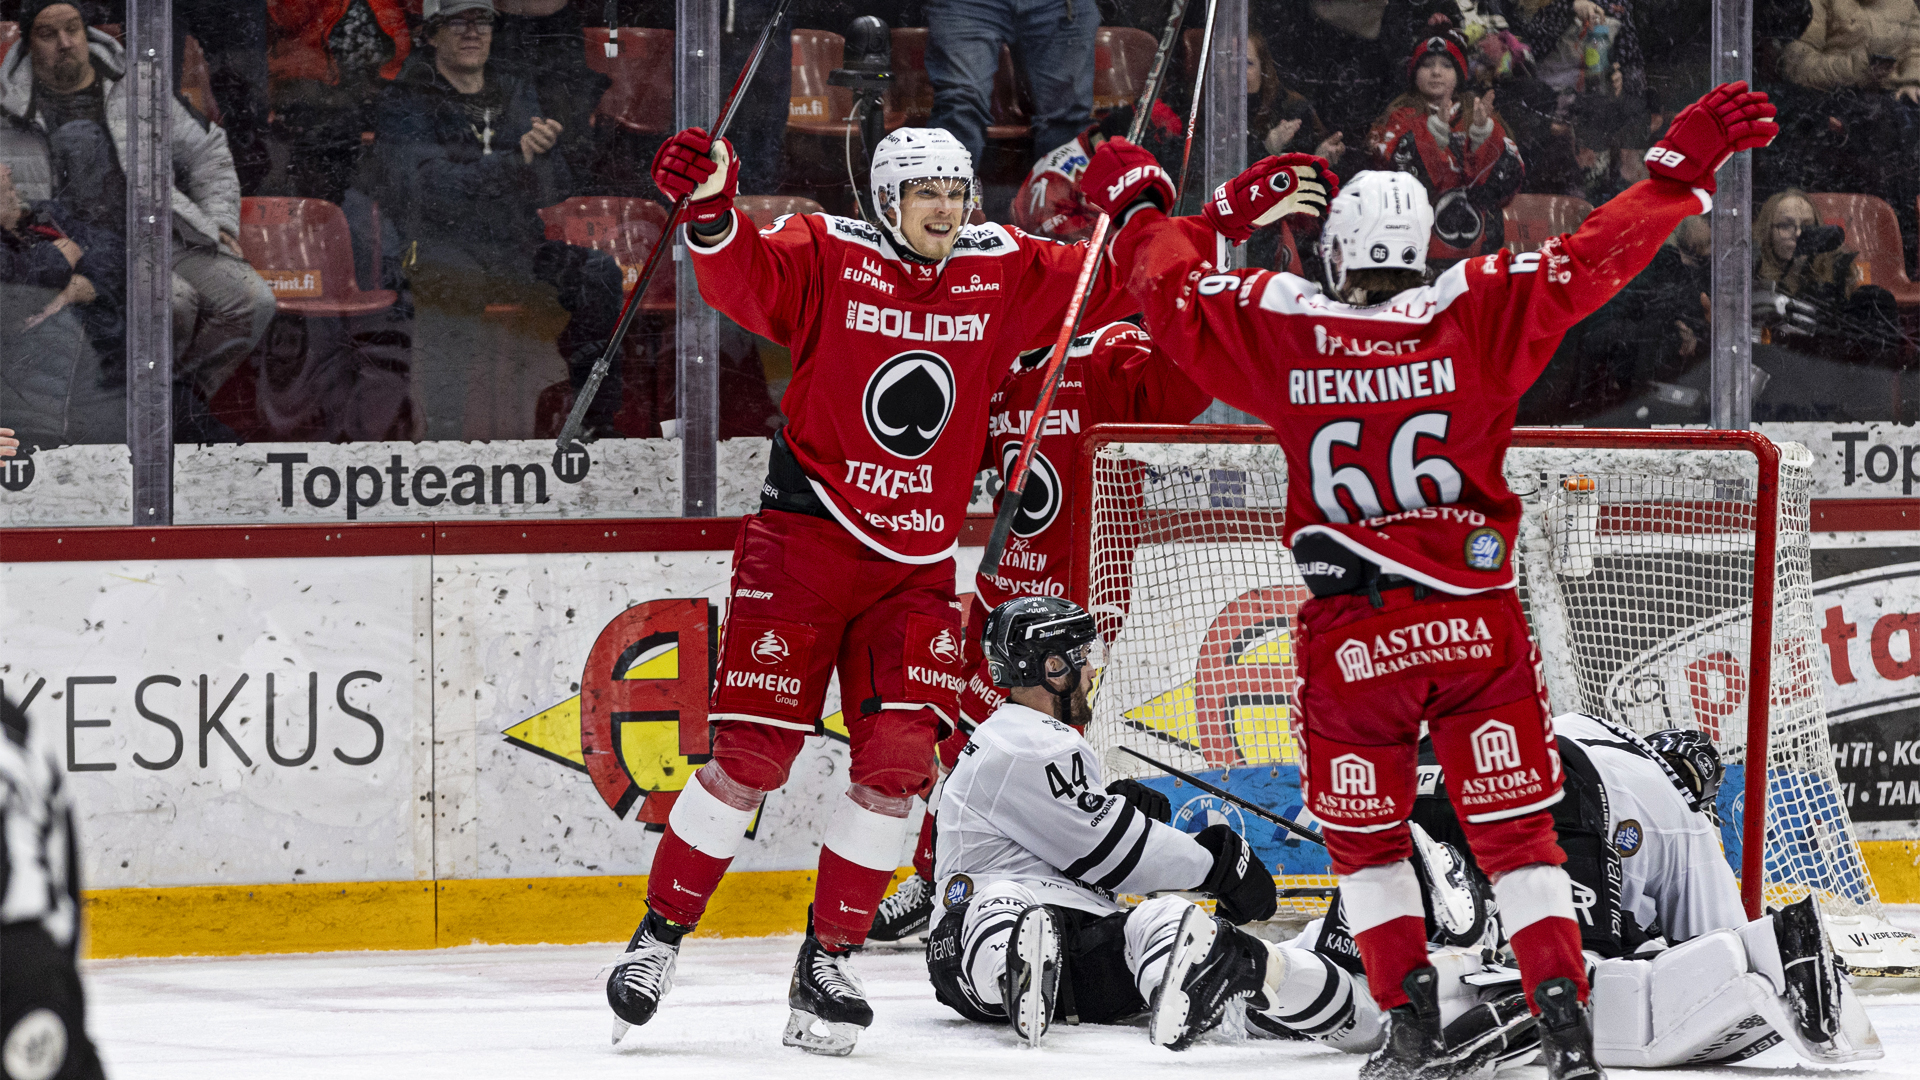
(1381, 221)
(910, 154)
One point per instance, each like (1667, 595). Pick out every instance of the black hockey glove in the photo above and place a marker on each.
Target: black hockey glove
(1143, 799)
(1239, 882)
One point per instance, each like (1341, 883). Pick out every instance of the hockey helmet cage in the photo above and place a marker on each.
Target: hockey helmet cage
(1695, 760)
(1379, 221)
(909, 154)
(1020, 634)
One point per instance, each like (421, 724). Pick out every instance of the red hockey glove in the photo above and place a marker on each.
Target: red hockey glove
(1268, 191)
(1122, 174)
(695, 163)
(1729, 119)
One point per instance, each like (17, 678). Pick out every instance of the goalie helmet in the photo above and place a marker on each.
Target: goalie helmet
(1020, 634)
(1379, 221)
(910, 154)
(1696, 761)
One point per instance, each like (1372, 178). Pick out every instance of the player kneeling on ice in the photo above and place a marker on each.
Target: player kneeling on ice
(1644, 854)
(1393, 399)
(1031, 849)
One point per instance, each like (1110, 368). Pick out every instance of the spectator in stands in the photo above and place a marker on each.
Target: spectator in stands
(1280, 120)
(233, 37)
(68, 105)
(1649, 344)
(53, 383)
(330, 59)
(1810, 292)
(1052, 42)
(1049, 202)
(469, 156)
(1454, 141)
(544, 42)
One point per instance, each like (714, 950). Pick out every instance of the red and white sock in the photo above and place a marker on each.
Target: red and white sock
(705, 829)
(1536, 910)
(857, 862)
(1386, 913)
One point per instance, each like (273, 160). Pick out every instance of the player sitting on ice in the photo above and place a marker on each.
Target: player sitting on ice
(1032, 850)
(1393, 400)
(1113, 375)
(1644, 854)
(899, 332)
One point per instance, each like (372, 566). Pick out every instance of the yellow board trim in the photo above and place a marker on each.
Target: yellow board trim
(1895, 868)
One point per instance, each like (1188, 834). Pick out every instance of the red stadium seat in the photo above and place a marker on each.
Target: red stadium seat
(912, 92)
(302, 247)
(815, 106)
(641, 97)
(9, 33)
(624, 228)
(762, 210)
(1532, 219)
(196, 82)
(1874, 232)
(1121, 58)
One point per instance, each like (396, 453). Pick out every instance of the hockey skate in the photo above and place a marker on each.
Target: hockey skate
(908, 910)
(1416, 1049)
(1566, 1032)
(1212, 963)
(644, 973)
(829, 1004)
(1031, 981)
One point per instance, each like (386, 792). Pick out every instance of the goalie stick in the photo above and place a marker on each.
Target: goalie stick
(1016, 485)
(1286, 823)
(577, 417)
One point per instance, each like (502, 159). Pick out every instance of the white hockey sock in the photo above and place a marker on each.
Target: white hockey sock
(713, 812)
(868, 829)
(987, 932)
(1376, 895)
(1533, 893)
(1150, 932)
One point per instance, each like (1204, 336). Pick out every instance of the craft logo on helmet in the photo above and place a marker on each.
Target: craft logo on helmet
(770, 648)
(945, 647)
(1355, 663)
(1040, 502)
(1494, 748)
(1352, 775)
(907, 403)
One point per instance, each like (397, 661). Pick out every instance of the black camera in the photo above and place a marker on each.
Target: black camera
(1818, 240)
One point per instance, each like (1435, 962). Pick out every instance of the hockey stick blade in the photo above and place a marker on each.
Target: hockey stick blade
(1286, 823)
(577, 416)
(1016, 485)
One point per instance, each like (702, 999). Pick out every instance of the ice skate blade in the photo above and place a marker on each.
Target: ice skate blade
(1171, 1006)
(620, 1029)
(1035, 948)
(803, 1032)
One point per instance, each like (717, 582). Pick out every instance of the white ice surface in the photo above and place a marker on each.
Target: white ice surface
(484, 1012)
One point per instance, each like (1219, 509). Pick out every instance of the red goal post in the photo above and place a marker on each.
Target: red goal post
(1214, 496)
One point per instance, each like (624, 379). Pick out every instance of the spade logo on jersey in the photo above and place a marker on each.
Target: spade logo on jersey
(908, 402)
(1040, 503)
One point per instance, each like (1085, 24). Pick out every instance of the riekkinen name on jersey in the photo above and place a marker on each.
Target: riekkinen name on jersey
(1331, 386)
(893, 322)
(869, 476)
(1058, 422)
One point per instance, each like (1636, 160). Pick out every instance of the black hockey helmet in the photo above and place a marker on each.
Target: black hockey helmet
(1694, 759)
(1020, 634)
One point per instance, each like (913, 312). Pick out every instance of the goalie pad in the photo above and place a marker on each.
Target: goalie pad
(1871, 947)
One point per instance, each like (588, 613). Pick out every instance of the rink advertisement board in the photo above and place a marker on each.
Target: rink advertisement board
(1866, 604)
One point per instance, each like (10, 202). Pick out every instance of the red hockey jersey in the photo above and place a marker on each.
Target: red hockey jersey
(893, 361)
(1395, 418)
(1113, 375)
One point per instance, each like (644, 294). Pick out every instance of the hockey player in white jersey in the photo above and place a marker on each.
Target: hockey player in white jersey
(1645, 858)
(1031, 850)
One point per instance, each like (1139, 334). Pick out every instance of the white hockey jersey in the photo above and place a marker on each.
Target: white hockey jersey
(1027, 803)
(1671, 862)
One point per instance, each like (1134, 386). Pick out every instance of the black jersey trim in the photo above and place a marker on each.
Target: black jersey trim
(1119, 873)
(1098, 855)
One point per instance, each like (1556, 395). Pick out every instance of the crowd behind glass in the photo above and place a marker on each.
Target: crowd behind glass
(415, 219)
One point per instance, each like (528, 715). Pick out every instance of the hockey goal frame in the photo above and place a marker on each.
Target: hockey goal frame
(1766, 554)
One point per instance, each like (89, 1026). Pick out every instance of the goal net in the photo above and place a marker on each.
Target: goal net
(1644, 557)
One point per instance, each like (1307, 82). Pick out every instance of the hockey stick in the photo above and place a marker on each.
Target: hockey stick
(1288, 824)
(1193, 107)
(570, 433)
(1016, 486)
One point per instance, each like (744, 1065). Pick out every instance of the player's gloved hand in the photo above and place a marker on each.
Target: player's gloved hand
(696, 164)
(1122, 174)
(1269, 190)
(1239, 882)
(1143, 799)
(1730, 118)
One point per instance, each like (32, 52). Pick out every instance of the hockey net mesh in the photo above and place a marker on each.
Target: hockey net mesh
(1637, 577)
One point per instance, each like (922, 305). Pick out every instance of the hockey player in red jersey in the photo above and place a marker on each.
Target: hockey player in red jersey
(1394, 402)
(1113, 375)
(895, 331)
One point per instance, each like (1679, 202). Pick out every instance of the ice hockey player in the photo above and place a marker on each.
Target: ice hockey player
(1644, 854)
(42, 1010)
(1393, 400)
(1049, 202)
(1112, 375)
(898, 333)
(1032, 851)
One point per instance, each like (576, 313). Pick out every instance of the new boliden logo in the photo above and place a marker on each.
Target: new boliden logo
(908, 402)
(770, 648)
